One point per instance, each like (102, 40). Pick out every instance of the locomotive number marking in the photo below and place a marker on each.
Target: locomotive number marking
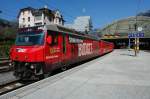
(85, 49)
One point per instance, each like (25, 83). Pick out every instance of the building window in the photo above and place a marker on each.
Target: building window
(23, 19)
(37, 24)
(38, 18)
(56, 20)
(28, 12)
(28, 19)
(50, 19)
(57, 14)
(23, 12)
(59, 21)
(29, 25)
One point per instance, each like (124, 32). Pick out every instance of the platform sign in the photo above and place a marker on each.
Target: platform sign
(135, 35)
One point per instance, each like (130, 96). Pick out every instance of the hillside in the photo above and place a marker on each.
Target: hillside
(7, 29)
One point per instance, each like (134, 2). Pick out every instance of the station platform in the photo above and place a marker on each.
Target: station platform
(117, 75)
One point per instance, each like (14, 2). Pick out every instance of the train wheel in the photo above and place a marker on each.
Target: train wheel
(65, 67)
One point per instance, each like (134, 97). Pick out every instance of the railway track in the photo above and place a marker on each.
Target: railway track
(10, 86)
(4, 60)
(5, 65)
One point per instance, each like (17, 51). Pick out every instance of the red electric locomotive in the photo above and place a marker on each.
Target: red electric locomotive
(40, 50)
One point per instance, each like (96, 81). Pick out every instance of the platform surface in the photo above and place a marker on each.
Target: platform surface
(117, 75)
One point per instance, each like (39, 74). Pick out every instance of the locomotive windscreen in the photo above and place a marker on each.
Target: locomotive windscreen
(30, 38)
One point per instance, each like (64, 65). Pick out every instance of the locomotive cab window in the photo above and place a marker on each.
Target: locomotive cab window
(30, 38)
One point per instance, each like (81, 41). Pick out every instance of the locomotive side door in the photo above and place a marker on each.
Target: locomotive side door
(66, 50)
(52, 51)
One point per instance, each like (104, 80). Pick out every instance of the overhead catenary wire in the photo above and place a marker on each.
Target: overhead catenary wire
(8, 15)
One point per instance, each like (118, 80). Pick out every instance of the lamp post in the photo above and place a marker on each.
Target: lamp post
(135, 40)
(136, 25)
(140, 29)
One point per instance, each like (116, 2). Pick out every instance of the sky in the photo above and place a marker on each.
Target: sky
(102, 12)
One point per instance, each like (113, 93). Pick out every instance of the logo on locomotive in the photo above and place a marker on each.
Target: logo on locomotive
(85, 49)
(21, 50)
(54, 50)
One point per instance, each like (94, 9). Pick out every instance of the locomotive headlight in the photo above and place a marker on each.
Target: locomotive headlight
(32, 66)
(10, 64)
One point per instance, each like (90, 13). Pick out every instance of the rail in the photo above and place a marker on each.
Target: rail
(5, 65)
(5, 88)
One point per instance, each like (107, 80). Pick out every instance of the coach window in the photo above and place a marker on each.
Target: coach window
(54, 39)
(28, 19)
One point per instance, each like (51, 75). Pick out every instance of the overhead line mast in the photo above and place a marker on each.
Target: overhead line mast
(136, 49)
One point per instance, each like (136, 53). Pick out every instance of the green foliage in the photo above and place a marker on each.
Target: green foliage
(5, 47)
(8, 33)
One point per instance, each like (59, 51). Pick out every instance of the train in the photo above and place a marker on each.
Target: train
(40, 50)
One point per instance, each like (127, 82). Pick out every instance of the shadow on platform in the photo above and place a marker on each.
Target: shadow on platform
(128, 55)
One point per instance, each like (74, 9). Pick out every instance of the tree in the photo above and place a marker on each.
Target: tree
(9, 33)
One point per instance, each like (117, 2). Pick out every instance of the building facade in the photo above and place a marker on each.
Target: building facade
(82, 23)
(121, 28)
(29, 17)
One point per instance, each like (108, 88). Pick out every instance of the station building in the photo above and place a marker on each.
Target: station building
(118, 31)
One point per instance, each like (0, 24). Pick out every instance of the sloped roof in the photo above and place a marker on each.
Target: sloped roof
(25, 9)
(127, 25)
